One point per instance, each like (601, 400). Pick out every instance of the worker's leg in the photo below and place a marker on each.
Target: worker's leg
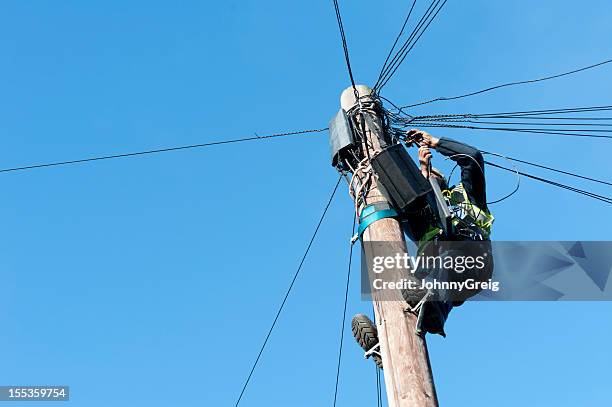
(480, 269)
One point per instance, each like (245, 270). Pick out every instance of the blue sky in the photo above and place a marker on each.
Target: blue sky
(151, 281)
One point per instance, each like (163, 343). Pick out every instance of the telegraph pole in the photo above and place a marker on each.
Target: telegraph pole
(407, 370)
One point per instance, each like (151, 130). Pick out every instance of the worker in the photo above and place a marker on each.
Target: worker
(470, 235)
(467, 201)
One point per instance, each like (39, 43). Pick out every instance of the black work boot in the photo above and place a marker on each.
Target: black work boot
(413, 297)
(366, 334)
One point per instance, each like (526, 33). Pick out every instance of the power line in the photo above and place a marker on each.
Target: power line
(517, 130)
(282, 305)
(557, 184)
(346, 291)
(554, 169)
(379, 399)
(525, 114)
(478, 121)
(406, 43)
(345, 46)
(410, 43)
(396, 41)
(440, 99)
(161, 150)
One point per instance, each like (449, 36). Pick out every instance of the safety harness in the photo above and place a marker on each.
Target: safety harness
(468, 220)
(468, 215)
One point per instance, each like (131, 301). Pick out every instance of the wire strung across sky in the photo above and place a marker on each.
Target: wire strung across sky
(520, 121)
(504, 85)
(553, 169)
(159, 150)
(516, 130)
(405, 122)
(344, 45)
(346, 292)
(524, 114)
(382, 70)
(282, 305)
(554, 183)
(393, 65)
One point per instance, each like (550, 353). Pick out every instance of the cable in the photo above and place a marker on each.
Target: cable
(557, 184)
(553, 169)
(412, 46)
(161, 150)
(406, 44)
(391, 71)
(518, 180)
(439, 99)
(395, 43)
(345, 47)
(282, 305)
(478, 121)
(379, 387)
(518, 130)
(526, 114)
(346, 291)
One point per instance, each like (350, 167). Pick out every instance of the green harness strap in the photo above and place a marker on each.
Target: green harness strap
(428, 237)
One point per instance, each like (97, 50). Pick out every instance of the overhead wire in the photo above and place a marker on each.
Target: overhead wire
(345, 47)
(473, 121)
(159, 150)
(525, 114)
(517, 130)
(422, 26)
(557, 184)
(286, 296)
(553, 169)
(379, 398)
(442, 98)
(406, 44)
(390, 75)
(478, 121)
(396, 40)
(521, 119)
(346, 292)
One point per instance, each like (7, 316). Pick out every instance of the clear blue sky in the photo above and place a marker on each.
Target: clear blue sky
(151, 281)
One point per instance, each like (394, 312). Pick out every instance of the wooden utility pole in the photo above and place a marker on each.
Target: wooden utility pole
(407, 371)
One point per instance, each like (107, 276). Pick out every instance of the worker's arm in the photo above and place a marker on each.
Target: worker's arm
(467, 157)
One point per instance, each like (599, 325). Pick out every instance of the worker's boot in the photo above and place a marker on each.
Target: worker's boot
(366, 334)
(414, 296)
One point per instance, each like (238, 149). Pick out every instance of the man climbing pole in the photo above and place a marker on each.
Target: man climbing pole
(468, 235)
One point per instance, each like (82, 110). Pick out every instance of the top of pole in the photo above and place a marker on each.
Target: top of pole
(348, 99)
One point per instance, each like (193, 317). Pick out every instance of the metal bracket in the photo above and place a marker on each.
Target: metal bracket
(419, 310)
(375, 350)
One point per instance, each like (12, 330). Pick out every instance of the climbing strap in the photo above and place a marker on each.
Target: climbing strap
(430, 235)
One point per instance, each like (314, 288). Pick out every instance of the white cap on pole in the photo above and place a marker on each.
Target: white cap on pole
(348, 99)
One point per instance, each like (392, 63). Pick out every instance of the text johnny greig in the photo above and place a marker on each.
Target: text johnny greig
(458, 264)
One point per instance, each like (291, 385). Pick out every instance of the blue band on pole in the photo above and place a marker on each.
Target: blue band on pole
(370, 215)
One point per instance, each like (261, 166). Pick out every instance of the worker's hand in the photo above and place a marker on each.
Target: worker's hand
(424, 160)
(422, 138)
